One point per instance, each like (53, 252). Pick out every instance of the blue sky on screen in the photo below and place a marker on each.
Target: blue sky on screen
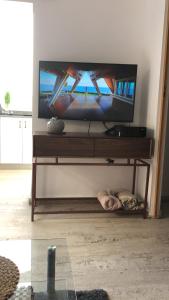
(102, 83)
(47, 78)
(70, 81)
(86, 81)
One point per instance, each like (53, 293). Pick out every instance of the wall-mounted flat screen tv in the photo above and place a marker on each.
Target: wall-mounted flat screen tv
(87, 91)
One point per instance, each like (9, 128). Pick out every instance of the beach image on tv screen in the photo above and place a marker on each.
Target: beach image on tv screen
(87, 91)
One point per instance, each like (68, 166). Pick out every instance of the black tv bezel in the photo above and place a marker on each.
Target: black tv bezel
(85, 119)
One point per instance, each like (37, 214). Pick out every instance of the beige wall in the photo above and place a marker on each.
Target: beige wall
(112, 31)
(165, 181)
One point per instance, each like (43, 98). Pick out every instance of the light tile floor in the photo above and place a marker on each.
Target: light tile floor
(127, 256)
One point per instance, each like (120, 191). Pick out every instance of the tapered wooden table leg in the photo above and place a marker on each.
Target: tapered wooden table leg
(134, 176)
(146, 191)
(33, 189)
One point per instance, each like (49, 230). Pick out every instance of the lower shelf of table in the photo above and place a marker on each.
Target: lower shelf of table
(76, 205)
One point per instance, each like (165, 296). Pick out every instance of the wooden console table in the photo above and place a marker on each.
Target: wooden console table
(93, 145)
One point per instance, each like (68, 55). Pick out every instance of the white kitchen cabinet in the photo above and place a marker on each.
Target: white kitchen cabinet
(27, 140)
(16, 140)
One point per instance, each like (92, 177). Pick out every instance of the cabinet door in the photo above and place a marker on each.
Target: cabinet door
(27, 140)
(11, 140)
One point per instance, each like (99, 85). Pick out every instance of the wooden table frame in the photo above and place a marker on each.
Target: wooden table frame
(130, 162)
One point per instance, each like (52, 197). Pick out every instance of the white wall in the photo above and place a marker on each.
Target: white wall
(112, 31)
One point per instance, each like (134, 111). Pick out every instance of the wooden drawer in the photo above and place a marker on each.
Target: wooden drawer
(46, 146)
(123, 147)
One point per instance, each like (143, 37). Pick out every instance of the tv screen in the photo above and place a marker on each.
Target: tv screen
(87, 91)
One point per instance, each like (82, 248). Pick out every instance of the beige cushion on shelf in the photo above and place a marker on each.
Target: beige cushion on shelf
(128, 200)
(108, 201)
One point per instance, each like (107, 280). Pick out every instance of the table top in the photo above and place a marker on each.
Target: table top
(91, 135)
(32, 259)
